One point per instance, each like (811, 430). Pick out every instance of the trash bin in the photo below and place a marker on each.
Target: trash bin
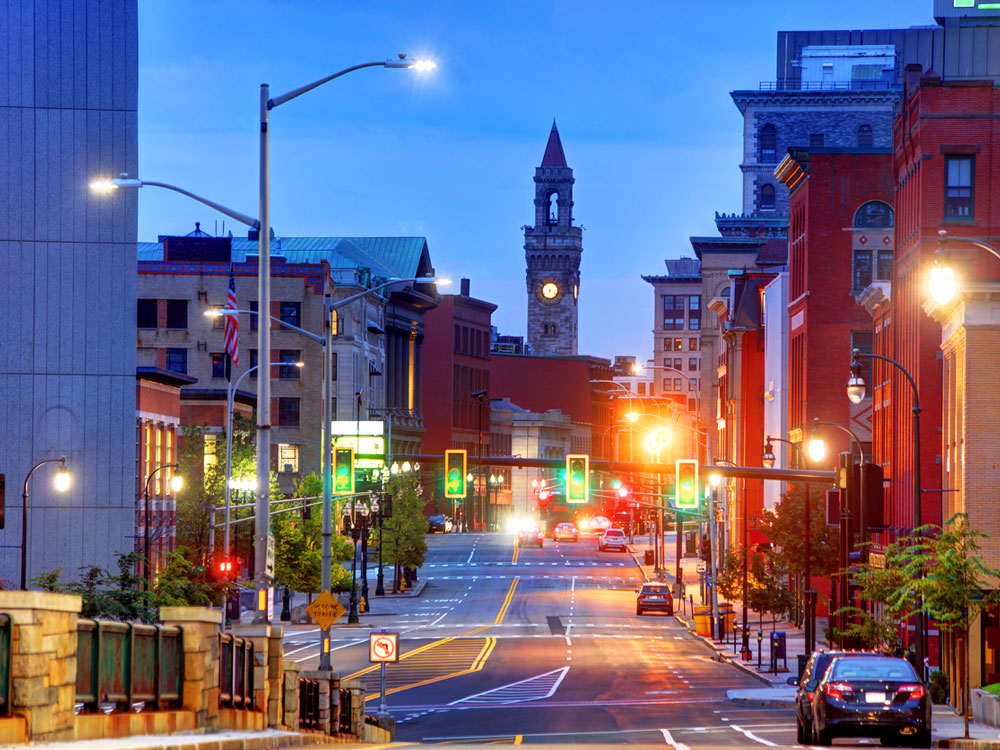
(647, 557)
(803, 660)
(703, 621)
(727, 616)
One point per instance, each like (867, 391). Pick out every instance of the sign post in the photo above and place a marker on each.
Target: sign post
(383, 648)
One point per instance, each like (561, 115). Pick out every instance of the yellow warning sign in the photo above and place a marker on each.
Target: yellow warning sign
(325, 610)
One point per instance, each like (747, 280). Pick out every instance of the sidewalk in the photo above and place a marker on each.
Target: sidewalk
(227, 740)
(947, 726)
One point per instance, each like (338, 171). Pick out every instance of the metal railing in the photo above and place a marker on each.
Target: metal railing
(308, 703)
(344, 712)
(236, 664)
(860, 85)
(123, 664)
(5, 670)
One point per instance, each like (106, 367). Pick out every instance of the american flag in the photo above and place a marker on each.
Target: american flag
(232, 324)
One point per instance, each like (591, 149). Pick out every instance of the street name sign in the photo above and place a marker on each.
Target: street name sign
(325, 610)
(383, 647)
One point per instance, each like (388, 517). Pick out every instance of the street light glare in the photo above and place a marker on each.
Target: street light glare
(423, 66)
(213, 313)
(62, 480)
(715, 479)
(636, 368)
(176, 483)
(631, 416)
(817, 449)
(103, 186)
(942, 284)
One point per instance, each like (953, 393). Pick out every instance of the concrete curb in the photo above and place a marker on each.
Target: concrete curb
(257, 741)
(964, 744)
(637, 563)
(781, 703)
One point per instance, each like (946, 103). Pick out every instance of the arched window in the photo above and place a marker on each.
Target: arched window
(768, 144)
(552, 211)
(873, 214)
(767, 197)
(865, 137)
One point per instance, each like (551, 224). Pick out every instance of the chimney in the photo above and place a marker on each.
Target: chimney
(911, 79)
(465, 287)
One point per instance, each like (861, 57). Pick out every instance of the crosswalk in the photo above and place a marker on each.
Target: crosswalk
(519, 564)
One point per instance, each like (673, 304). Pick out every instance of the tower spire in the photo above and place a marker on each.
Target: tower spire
(554, 156)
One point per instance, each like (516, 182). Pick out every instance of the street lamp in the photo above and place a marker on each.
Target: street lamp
(176, 482)
(817, 448)
(481, 396)
(918, 629)
(264, 303)
(942, 283)
(61, 482)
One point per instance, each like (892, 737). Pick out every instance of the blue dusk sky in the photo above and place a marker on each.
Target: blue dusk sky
(640, 91)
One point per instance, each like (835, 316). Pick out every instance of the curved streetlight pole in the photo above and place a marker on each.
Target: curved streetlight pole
(267, 103)
(61, 486)
(817, 421)
(918, 619)
(145, 532)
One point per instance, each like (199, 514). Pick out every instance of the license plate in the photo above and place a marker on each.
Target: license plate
(874, 697)
(654, 598)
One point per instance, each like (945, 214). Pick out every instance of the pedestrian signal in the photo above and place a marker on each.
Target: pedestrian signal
(343, 471)
(455, 467)
(686, 484)
(577, 478)
(225, 569)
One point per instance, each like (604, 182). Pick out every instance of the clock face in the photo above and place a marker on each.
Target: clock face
(550, 290)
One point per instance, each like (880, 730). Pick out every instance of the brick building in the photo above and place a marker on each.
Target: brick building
(157, 433)
(946, 151)
(840, 240)
(456, 365)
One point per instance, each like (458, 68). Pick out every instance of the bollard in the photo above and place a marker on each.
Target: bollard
(760, 638)
(735, 626)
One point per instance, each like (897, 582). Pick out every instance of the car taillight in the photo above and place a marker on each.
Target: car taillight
(916, 691)
(837, 689)
(810, 695)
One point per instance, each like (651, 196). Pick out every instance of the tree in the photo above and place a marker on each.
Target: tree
(403, 534)
(784, 527)
(892, 587)
(956, 585)
(730, 575)
(766, 591)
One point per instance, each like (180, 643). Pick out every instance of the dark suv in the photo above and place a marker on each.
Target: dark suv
(870, 695)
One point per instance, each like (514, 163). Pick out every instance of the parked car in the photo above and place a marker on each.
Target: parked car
(814, 670)
(612, 539)
(600, 523)
(530, 537)
(565, 531)
(654, 597)
(441, 524)
(869, 695)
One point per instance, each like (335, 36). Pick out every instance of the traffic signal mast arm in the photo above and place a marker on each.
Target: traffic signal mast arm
(623, 467)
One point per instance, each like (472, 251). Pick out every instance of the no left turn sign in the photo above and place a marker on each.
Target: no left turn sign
(383, 647)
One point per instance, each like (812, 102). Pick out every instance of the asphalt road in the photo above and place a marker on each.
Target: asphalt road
(543, 646)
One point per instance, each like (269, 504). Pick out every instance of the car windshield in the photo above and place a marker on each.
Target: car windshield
(614, 532)
(654, 589)
(872, 668)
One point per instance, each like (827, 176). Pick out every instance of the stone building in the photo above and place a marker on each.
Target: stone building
(552, 250)
(68, 109)
(377, 340)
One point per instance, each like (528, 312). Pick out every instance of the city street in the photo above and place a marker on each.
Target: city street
(543, 646)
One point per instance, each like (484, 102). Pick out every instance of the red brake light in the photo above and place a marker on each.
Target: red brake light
(916, 691)
(810, 695)
(837, 689)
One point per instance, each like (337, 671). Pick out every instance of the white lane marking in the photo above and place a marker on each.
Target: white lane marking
(471, 553)
(751, 736)
(568, 641)
(534, 688)
(669, 739)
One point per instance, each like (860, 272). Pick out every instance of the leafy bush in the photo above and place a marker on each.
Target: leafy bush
(938, 686)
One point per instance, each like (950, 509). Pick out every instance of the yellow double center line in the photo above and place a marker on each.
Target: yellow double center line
(506, 601)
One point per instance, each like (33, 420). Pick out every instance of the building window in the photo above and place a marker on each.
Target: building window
(883, 269)
(219, 365)
(865, 137)
(958, 197)
(768, 144)
(219, 320)
(177, 313)
(253, 318)
(334, 323)
(210, 452)
(288, 458)
(288, 412)
(692, 345)
(333, 408)
(668, 345)
(692, 384)
(291, 313)
(145, 313)
(253, 363)
(816, 140)
(642, 389)
(677, 384)
(667, 382)
(333, 366)
(767, 197)
(288, 371)
(693, 363)
(692, 404)
(678, 345)
(678, 363)
(694, 312)
(673, 312)
(862, 341)
(861, 270)
(177, 360)
(458, 339)
(874, 214)
(552, 210)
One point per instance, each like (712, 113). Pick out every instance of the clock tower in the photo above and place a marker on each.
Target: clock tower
(552, 249)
